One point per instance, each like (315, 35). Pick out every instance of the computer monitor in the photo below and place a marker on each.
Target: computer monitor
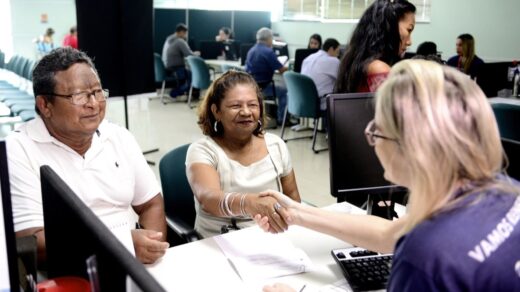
(210, 49)
(281, 49)
(8, 257)
(299, 56)
(73, 233)
(231, 50)
(493, 77)
(355, 171)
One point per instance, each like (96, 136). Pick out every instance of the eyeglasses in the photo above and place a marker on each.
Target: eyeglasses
(82, 98)
(370, 133)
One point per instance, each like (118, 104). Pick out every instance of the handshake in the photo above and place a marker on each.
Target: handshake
(283, 212)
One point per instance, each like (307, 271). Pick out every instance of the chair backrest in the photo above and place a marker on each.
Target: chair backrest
(508, 120)
(199, 72)
(22, 64)
(302, 95)
(158, 67)
(27, 72)
(12, 63)
(178, 197)
(2, 59)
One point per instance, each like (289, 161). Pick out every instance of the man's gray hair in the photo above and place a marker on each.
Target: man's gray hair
(264, 34)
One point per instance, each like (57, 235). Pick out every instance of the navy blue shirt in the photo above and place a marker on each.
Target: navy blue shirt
(475, 247)
(261, 62)
(456, 62)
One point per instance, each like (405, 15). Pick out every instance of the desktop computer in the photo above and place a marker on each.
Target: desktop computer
(73, 234)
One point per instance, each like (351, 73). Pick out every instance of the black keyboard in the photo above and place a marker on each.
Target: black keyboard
(365, 270)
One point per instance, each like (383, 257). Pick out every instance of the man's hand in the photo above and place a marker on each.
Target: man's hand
(148, 245)
(265, 206)
(286, 208)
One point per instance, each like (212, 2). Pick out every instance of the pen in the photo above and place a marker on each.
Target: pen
(302, 288)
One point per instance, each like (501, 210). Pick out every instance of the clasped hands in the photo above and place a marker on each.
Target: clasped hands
(277, 212)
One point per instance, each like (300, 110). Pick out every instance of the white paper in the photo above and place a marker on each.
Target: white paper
(339, 286)
(256, 254)
(120, 225)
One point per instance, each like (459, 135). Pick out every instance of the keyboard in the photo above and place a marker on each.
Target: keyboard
(364, 270)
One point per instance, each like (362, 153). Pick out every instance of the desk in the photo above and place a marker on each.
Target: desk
(217, 64)
(201, 265)
(506, 100)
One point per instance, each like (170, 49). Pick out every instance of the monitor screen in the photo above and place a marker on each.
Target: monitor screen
(8, 256)
(512, 151)
(210, 50)
(74, 233)
(300, 55)
(493, 77)
(281, 49)
(355, 171)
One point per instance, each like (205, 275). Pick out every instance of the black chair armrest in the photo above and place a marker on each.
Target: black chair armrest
(27, 250)
(183, 230)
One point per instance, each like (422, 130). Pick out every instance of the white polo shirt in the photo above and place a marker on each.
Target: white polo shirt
(323, 70)
(111, 177)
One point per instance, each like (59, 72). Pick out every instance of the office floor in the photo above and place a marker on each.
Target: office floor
(167, 126)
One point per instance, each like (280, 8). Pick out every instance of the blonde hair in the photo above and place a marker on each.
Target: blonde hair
(446, 130)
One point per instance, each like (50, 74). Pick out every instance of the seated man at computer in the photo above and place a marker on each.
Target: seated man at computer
(261, 63)
(100, 161)
(322, 68)
(175, 50)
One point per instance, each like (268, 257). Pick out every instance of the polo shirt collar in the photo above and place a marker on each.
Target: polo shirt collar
(37, 131)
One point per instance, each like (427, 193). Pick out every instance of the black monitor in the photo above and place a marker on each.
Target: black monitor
(299, 56)
(231, 50)
(493, 77)
(73, 233)
(210, 49)
(8, 257)
(355, 171)
(281, 49)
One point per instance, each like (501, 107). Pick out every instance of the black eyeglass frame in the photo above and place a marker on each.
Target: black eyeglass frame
(70, 97)
(370, 135)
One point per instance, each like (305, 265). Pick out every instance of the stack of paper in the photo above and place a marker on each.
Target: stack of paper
(257, 255)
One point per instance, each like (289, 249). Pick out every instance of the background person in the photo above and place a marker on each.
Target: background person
(261, 63)
(236, 160)
(175, 50)
(322, 68)
(466, 59)
(379, 41)
(71, 39)
(101, 162)
(435, 133)
(428, 51)
(224, 34)
(45, 43)
(314, 42)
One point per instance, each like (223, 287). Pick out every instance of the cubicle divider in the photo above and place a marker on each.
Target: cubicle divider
(204, 24)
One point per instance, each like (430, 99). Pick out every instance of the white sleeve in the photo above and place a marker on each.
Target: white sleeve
(146, 186)
(24, 177)
(286, 159)
(202, 152)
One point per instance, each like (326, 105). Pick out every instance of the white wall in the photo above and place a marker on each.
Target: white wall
(26, 26)
(494, 24)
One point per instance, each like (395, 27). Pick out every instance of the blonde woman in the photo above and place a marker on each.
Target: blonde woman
(435, 133)
(466, 60)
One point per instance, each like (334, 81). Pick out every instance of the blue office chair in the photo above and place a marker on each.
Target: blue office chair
(508, 120)
(179, 201)
(303, 102)
(160, 75)
(199, 75)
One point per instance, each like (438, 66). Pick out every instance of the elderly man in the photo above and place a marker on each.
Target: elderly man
(261, 62)
(100, 161)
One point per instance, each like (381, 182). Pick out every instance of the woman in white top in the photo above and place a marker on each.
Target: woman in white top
(237, 160)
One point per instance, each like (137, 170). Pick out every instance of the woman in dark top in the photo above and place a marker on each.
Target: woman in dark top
(466, 60)
(314, 42)
(378, 41)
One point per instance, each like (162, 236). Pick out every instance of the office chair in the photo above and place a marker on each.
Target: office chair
(508, 119)
(160, 75)
(179, 201)
(199, 75)
(302, 101)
